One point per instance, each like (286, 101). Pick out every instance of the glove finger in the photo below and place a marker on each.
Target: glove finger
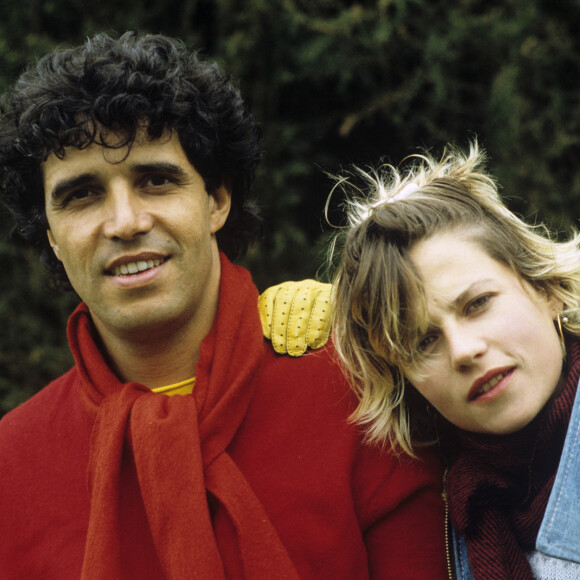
(320, 319)
(300, 310)
(266, 309)
(281, 315)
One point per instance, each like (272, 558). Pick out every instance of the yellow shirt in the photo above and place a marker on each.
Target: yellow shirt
(182, 388)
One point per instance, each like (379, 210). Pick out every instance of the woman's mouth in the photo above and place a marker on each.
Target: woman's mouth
(490, 384)
(487, 383)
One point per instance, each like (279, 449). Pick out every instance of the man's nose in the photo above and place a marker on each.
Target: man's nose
(126, 215)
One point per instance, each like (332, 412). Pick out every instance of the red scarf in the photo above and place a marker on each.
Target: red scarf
(167, 501)
(499, 486)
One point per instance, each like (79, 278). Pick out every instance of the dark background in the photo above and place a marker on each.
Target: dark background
(332, 83)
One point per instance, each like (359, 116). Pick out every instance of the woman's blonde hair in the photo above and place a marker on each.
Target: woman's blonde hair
(379, 303)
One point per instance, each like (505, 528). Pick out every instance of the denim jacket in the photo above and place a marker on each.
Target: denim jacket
(557, 555)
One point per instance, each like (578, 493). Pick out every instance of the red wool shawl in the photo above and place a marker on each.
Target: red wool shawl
(167, 501)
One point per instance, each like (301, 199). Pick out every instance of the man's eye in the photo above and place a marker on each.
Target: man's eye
(79, 194)
(158, 181)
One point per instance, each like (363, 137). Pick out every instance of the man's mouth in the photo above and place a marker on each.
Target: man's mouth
(136, 267)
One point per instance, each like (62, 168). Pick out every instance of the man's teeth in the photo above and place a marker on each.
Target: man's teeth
(135, 267)
(489, 385)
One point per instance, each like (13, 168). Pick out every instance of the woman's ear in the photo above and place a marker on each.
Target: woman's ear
(556, 306)
(220, 205)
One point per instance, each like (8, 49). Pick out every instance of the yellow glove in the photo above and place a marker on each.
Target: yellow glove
(296, 315)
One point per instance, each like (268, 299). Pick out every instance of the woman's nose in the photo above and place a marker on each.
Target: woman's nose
(465, 345)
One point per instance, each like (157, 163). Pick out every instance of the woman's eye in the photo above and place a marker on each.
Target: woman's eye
(426, 342)
(478, 303)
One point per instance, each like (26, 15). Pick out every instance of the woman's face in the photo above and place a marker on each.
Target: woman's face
(491, 357)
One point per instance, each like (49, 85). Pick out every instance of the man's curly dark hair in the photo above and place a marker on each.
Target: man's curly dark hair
(73, 97)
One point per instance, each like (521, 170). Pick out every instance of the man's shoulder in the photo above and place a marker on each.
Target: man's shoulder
(320, 365)
(315, 376)
(39, 411)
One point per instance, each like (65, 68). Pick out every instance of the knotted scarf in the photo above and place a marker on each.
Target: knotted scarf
(167, 501)
(499, 486)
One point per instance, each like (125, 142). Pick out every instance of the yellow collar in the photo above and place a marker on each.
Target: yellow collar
(181, 388)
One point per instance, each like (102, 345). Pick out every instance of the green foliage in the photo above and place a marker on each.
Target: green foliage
(332, 83)
(34, 348)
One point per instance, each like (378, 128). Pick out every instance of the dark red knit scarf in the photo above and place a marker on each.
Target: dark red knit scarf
(499, 486)
(167, 501)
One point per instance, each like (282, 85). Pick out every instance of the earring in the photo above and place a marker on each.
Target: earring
(562, 320)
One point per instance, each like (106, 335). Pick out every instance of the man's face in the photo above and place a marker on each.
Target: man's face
(136, 234)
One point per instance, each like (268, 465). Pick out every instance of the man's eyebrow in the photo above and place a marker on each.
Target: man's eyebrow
(158, 167)
(65, 185)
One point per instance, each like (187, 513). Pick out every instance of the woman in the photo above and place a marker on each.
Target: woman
(459, 324)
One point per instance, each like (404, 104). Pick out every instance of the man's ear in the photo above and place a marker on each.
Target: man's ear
(220, 205)
(53, 244)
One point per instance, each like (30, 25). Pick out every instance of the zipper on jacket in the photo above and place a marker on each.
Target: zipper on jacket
(448, 547)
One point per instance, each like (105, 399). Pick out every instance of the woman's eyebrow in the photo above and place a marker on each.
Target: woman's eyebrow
(469, 291)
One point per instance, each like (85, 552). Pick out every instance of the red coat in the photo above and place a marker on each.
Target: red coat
(294, 494)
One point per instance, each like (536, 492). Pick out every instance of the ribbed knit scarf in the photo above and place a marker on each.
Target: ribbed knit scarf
(499, 486)
(167, 501)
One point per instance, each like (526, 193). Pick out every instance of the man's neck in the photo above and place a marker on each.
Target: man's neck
(155, 365)
(156, 357)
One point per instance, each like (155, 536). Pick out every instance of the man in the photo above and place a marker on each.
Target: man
(128, 162)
